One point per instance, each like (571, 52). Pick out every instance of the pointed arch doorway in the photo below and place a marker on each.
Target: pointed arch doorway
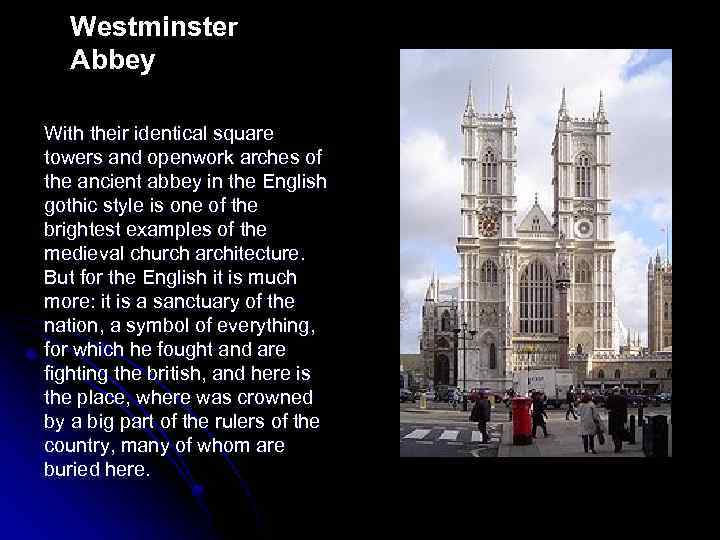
(442, 370)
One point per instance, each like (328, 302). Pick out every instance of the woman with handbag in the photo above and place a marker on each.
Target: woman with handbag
(589, 421)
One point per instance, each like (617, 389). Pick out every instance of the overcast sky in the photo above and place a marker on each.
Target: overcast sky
(637, 91)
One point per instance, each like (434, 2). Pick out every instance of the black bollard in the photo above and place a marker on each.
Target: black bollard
(632, 429)
(465, 403)
(660, 436)
(640, 417)
(647, 436)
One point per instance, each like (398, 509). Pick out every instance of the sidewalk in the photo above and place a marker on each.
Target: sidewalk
(565, 441)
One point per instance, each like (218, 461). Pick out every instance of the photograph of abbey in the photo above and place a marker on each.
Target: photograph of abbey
(536, 216)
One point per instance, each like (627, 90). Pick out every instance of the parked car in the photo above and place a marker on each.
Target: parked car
(405, 395)
(665, 397)
(635, 400)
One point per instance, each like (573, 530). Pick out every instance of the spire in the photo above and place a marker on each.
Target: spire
(470, 103)
(536, 203)
(429, 296)
(601, 109)
(563, 105)
(657, 257)
(508, 101)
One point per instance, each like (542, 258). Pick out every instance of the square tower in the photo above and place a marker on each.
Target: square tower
(487, 239)
(659, 305)
(581, 186)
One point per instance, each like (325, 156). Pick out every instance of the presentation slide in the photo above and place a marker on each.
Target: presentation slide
(200, 216)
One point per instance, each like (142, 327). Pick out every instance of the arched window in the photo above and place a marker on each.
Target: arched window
(445, 326)
(443, 343)
(536, 300)
(488, 273)
(488, 173)
(582, 175)
(601, 374)
(667, 341)
(582, 272)
(666, 311)
(669, 374)
(617, 373)
(653, 374)
(492, 361)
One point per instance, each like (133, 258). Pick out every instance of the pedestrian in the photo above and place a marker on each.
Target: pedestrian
(538, 414)
(510, 396)
(588, 418)
(570, 397)
(617, 417)
(481, 414)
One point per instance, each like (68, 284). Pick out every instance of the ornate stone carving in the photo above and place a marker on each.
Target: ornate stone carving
(489, 219)
(488, 318)
(583, 314)
(584, 144)
(584, 211)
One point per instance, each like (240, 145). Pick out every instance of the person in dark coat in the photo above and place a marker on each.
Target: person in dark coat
(617, 417)
(570, 397)
(538, 414)
(481, 414)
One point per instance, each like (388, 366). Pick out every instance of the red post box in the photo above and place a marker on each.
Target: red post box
(522, 424)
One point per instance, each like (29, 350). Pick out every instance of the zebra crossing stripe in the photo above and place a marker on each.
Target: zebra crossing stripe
(449, 435)
(417, 434)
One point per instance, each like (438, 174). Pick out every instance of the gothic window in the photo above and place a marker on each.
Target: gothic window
(669, 373)
(488, 169)
(443, 343)
(536, 224)
(536, 300)
(582, 272)
(582, 176)
(653, 374)
(488, 273)
(666, 311)
(445, 325)
(492, 362)
(667, 341)
(601, 374)
(617, 373)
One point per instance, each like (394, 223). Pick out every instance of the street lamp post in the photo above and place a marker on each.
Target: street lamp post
(456, 331)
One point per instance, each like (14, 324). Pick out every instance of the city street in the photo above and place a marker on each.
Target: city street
(440, 431)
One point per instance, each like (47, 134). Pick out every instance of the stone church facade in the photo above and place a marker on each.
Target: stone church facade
(511, 266)
(437, 345)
